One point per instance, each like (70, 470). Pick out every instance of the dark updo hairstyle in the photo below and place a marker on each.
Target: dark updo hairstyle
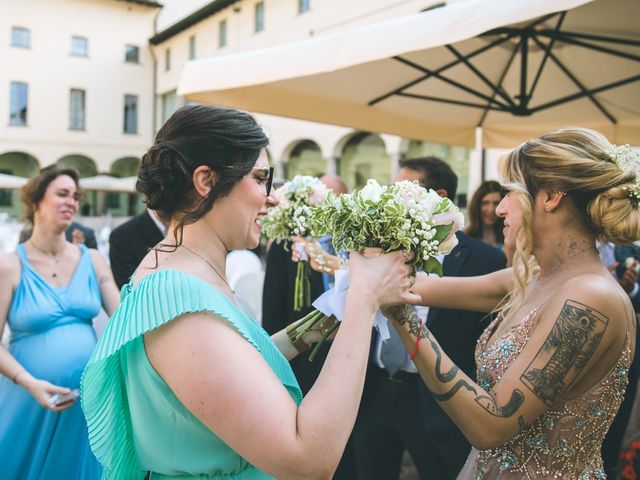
(474, 214)
(227, 141)
(33, 191)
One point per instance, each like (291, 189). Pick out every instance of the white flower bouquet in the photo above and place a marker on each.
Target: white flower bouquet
(294, 216)
(403, 216)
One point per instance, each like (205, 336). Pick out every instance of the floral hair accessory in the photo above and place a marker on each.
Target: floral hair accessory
(628, 160)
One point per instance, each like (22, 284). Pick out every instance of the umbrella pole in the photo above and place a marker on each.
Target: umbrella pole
(477, 164)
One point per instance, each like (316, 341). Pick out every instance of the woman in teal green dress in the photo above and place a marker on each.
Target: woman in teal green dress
(183, 383)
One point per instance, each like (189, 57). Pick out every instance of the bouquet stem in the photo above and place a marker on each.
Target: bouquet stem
(325, 335)
(298, 329)
(302, 288)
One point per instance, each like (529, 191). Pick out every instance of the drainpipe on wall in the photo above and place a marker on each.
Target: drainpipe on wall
(154, 103)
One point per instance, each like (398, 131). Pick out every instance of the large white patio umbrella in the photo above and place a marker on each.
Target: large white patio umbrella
(107, 183)
(516, 68)
(12, 181)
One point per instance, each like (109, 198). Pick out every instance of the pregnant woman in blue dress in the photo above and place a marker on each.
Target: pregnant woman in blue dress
(51, 290)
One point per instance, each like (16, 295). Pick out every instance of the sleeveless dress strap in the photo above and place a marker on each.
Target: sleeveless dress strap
(22, 255)
(152, 302)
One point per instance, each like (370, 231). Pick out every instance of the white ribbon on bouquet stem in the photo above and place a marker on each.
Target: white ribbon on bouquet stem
(332, 302)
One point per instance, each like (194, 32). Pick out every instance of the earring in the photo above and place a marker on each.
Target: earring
(546, 208)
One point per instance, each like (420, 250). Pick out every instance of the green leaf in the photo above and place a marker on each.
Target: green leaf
(442, 232)
(433, 266)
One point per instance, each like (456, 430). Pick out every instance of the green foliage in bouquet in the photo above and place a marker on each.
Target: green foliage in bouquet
(401, 216)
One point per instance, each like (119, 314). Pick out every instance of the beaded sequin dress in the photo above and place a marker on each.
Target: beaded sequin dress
(565, 441)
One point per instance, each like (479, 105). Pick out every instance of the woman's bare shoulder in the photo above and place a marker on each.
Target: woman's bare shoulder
(600, 296)
(9, 264)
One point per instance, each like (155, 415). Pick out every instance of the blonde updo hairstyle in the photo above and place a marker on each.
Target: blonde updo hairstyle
(580, 163)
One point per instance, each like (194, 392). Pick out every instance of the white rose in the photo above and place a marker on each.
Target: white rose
(318, 193)
(371, 191)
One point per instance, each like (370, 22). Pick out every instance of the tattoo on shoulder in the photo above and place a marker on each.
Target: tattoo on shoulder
(570, 345)
(406, 314)
(103, 279)
(523, 425)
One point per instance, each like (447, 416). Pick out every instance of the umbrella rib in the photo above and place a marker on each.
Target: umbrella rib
(496, 89)
(503, 75)
(516, 31)
(578, 83)
(593, 91)
(450, 81)
(453, 102)
(441, 69)
(524, 59)
(583, 88)
(546, 55)
(596, 38)
(610, 51)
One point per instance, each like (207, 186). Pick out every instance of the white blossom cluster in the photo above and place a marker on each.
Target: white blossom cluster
(293, 215)
(401, 216)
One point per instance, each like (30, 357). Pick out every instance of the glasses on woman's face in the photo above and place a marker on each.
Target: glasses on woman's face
(268, 172)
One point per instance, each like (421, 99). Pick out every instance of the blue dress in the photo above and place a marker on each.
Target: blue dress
(52, 338)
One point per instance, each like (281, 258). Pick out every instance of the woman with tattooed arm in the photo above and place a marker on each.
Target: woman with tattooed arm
(552, 367)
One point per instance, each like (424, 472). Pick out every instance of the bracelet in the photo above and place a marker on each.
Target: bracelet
(298, 344)
(15, 377)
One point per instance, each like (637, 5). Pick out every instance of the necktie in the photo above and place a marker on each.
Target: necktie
(392, 352)
(327, 246)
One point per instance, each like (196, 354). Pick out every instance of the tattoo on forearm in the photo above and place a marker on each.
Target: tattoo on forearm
(443, 397)
(406, 314)
(566, 351)
(511, 407)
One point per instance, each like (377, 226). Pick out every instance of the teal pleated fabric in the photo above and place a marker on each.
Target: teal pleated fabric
(136, 424)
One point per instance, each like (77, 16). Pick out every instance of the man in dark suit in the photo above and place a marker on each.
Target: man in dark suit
(277, 307)
(615, 258)
(78, 233)
(131, 241)
(278, 312)
(397, 411)
(277, 297)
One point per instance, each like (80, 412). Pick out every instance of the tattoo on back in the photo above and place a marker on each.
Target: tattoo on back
(566, 351)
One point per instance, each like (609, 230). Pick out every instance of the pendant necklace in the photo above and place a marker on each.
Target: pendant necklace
(54, 256)
(210, 264)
